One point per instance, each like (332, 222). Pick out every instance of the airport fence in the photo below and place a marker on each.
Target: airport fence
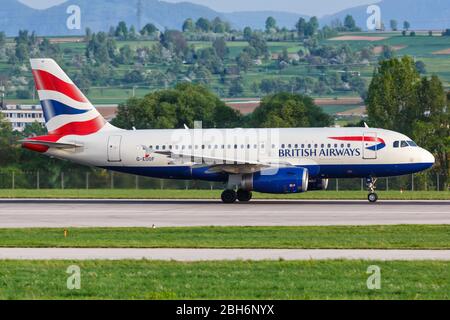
(102, 179)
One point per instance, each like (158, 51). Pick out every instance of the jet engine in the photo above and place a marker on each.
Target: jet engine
(317, 184)
(277, 181)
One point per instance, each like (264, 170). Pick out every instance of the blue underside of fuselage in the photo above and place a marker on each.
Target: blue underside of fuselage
(323, 171)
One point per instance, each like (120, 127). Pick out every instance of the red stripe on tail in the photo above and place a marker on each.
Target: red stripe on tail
(47, 81)
(82, 128)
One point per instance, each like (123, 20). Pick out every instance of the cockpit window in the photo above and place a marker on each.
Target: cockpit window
(396, 144)
(412, 143)
(404, 144)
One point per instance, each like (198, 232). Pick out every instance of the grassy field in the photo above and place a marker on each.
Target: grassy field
(224, 280)
(333, 237)
(212, 194)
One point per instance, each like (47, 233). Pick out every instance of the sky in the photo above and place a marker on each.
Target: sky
(308, 7)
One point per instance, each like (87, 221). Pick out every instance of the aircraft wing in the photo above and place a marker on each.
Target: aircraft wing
(234, 165)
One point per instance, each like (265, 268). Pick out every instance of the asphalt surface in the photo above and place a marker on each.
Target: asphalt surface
(217, 254)
(139, 213)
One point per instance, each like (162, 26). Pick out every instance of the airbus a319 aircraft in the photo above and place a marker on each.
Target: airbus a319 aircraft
(277, 161)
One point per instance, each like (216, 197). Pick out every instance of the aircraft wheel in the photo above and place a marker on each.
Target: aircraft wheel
(244, 195)
(372, 197)
(229, 196)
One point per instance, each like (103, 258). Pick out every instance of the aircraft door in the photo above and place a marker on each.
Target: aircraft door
(114, 148)
(369, 145)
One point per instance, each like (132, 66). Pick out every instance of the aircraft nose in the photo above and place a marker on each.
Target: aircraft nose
(427, 157)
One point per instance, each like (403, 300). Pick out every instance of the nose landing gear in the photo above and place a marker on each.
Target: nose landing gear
(372, 197)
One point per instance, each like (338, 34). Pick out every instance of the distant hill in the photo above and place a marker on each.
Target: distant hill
(422, 14)
(99, 15)
(257, 19)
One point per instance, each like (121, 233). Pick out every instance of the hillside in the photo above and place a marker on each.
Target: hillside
(422, 14)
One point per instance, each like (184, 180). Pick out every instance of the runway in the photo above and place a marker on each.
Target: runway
(163, 213)
(218, 254)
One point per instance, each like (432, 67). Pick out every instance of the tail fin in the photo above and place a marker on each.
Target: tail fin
(66, 110)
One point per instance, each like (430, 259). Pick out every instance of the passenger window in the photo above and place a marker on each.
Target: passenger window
(282, 146)
(157, 147)
(396, 144)
(404, 144)
(289, 146)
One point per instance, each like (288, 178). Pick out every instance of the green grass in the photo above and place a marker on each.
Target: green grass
(324, 237)
(212, 194)
(224, 280)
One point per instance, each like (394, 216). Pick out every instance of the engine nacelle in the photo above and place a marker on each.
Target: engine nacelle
(284, 180)
(317, 184)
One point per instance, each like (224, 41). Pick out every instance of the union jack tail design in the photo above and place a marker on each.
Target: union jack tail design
(66, 110)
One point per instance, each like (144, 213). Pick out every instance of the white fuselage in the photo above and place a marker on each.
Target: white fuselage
(187, 154)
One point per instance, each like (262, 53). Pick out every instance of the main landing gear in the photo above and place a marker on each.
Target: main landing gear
(372, 197)
(230, 196)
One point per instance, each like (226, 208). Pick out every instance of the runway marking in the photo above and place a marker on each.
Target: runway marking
(219, 254)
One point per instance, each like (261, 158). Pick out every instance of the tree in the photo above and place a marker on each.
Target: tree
(421, 67)
(431, 129)
(126, 55)
(271, 24)
(257, 46)
(284, 110)
(406, 25)
(88, 35)
(392, 96)
(132, 34)
(247, 33)
(6, 140)
(312, 27)
(174, 40)
(203, 25)
(149, 29)
(394, 25)
(387, 53)
(173, 108)
(2, 39)
(349, 23)
(220, 46)
(301, 27)
(244, 61)
(188, 25)
(22, 52)
(122, 30)
(218, 26)
(236, 88)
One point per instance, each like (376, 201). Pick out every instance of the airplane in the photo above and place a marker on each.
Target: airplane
(274, 160)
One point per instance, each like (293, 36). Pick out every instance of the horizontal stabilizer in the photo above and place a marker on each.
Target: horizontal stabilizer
(50, 144)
